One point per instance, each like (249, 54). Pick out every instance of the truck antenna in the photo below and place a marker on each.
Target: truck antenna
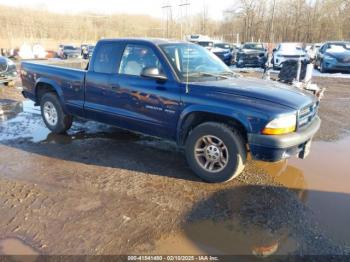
(185, 4)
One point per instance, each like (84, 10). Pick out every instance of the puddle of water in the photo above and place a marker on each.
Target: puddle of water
(242, 220)
(9, 109)
(23, 120)
(323, 181)
(208, 237)
(14, 246)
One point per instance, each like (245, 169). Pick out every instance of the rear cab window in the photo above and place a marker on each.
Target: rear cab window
(107, 57)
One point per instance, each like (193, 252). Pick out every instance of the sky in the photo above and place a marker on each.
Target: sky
(148, 7)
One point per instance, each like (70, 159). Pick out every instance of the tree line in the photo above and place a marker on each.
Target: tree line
(245, 20)
(305, 21)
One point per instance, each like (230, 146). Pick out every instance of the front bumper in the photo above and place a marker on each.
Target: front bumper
(279, 147)
(253, 61)
(341, 67)
(278, 61)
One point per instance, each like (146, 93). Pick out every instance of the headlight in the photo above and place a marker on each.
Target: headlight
(281, 125)
(278, 55)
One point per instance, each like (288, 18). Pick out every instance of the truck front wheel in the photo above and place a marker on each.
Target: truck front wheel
(53, 115)
(216, 152)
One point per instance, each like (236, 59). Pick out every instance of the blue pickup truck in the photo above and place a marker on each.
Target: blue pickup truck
(181, 92)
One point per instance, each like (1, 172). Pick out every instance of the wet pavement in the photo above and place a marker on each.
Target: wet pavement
(102, 190)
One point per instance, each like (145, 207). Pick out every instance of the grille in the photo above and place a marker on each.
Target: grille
(250, 58)
(307, 114)
(293, 56)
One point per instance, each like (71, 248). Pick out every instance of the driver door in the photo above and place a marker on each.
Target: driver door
(148, 104)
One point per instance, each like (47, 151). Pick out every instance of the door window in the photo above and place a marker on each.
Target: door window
(136, 58)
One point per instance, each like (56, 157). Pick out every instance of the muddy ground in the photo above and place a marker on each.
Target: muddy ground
(101, 190)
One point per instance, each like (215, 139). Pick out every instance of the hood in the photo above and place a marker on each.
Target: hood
(291, 52)
(267, 90)
(220, 50)
(71, 51)
(338, 55)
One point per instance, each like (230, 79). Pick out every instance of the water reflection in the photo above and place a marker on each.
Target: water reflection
(286, 175)
(244, 220)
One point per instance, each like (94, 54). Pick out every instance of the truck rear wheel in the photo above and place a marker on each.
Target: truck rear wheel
(53, 115)
(215, 152)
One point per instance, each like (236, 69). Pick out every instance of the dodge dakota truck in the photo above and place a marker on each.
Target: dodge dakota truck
(182, 92)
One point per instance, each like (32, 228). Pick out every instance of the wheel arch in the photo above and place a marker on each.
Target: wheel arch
(44, 85)
(195, 116)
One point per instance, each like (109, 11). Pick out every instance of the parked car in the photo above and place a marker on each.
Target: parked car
(87, 51)
(288, 51)
(208, 44)
(252, 55)
(148, 85)
(224, 52)
(8, 72)
(68, 51)
(334, 56)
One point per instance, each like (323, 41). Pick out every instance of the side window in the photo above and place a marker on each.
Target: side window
(107, 58)
(136, 58)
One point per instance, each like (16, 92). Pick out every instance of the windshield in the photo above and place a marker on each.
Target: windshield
(206, 44)
(339, 47)
(69, 48)
(222, 45)
(253, 46)
(194, 62)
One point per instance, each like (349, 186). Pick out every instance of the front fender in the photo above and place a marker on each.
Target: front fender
(237, 116)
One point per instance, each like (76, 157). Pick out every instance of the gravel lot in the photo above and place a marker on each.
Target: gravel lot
(101, 190)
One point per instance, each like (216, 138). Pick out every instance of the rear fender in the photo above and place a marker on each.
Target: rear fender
(55, 87)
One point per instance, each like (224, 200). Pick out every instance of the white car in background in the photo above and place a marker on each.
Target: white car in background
(288, 51)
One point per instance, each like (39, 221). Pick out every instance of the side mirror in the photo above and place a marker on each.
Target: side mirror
(274, 50)
(153, 72)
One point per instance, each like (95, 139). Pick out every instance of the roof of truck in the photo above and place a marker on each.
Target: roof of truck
(156, 41)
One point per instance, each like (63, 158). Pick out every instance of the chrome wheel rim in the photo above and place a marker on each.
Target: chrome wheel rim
(211, 153)
(50, 113)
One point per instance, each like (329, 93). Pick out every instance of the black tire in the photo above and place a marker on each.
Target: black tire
(236, 148)
(64, 121)
(322, 69)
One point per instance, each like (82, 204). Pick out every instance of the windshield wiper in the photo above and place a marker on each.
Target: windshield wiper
(222, 75)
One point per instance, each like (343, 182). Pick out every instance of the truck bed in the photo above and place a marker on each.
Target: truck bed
(68, 82)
